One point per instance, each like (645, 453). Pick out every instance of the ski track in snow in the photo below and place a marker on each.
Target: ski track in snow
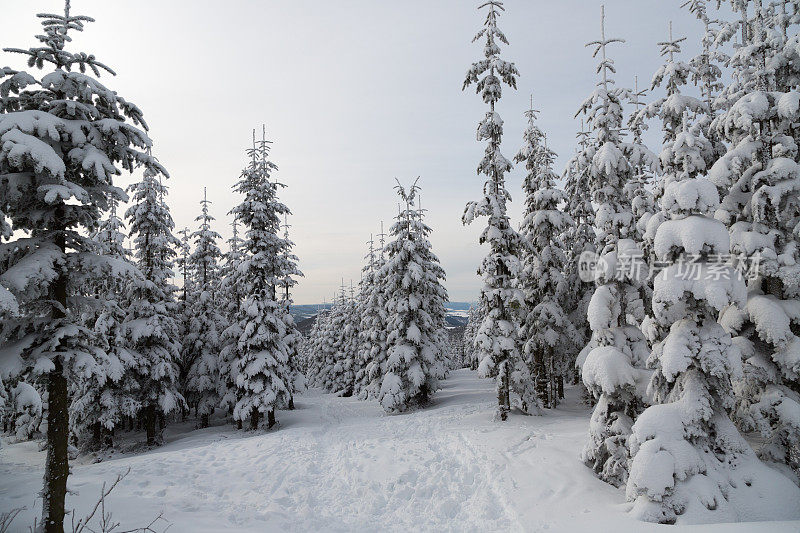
(339, 464)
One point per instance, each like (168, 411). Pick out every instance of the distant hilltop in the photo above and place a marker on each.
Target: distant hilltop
(306, 314)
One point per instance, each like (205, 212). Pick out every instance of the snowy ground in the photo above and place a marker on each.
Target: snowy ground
(338, 464)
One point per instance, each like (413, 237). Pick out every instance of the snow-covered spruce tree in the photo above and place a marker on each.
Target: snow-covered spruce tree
(150, 324)
(707, 72)
(102, 401)
(671, 109)
(474, 320)
(689, 463)
(497, 344)
(615, 357)
(207, 320)
(183, 265)
(760, 181)
(231, 293)
(29, 408)
(579, 236)
(63, 137)
(351, 333)
(336, 373)
(186, 356)
(548, 335)
(372, 329)
(287, 265)
(415, 313)
(455, 349)
(365, 314)
(315, 361)
(638, 189)
(263, 374)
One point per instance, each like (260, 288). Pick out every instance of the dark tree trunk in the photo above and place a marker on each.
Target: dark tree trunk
(150, 424)
(204, 421)
(97, 436)
(270, 418)
(291, 403)
(238, 424)
(503, 393)
(57, 463)
(560, 386)
(254, 416)
(541, 383)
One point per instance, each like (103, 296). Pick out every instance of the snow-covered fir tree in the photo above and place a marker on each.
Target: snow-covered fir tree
(64, 137)
(150, 324)
(671, 109)
(415, 313)
(336, 370)
(232, 296)
(372, 329)
(689, 463)
(287, 265)
(263, 375)
(638, 189)
(496, 343)
(30, 405)
(614, 359)
(549, 337)
(207, 321)
(365, 316)
(101, 402)
(183, 266)
(474, 321)
(759, 178)
(315, 360)
(579, 237)
(707, 72)
(352, 344)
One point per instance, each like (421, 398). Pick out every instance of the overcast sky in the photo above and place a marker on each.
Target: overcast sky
(354, 93)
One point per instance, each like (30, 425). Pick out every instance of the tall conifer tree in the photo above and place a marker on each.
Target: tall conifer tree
(496, 343)
(64, 137)
(617, 351)
(263, 374)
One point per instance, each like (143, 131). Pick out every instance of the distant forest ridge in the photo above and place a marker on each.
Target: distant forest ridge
(304, 315)
(301, 311)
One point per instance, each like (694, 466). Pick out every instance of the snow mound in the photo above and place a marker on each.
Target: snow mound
(693, 234)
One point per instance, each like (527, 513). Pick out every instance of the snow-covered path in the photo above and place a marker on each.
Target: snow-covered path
(338, 464)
